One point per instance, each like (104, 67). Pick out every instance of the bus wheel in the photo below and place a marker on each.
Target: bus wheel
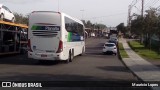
(70, 56)
(68, 60)
(82, 52)
(41, 61)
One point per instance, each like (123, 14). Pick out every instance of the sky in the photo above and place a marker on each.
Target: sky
(108, 12)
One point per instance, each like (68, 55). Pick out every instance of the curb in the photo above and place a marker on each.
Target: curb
(141, 80)
(120, 58)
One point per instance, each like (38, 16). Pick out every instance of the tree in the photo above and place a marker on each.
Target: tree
(158, 33)
(101, 26)
(150, 26)
(21, 18)
(89, 24)
(136, 26)
(121, 28)
(145, 26)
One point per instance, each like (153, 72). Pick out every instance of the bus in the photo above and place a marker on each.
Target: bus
(55, 36)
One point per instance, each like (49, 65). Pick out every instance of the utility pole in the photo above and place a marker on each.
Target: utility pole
(142, 8)
(129, 13)
(129, 19)
(142, 19)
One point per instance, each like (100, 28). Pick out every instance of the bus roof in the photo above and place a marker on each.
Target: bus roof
(77, 20)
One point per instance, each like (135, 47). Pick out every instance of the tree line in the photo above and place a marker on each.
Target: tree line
(89, 24)
(145, 27)
(22, 19)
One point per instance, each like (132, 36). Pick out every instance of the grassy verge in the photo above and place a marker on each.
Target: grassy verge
(122, 51)
(143, 52)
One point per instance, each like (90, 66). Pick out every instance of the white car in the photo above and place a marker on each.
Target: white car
(110, 48)
(93, 35)
(6, 14)
(114, 39)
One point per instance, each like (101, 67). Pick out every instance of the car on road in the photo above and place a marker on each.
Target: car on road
(93, 35)
(6, 14)
(113, 40)
(110, 48)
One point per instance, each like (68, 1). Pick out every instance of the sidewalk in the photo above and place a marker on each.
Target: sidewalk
(140, 67)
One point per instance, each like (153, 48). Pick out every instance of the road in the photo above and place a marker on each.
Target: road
(93, 66)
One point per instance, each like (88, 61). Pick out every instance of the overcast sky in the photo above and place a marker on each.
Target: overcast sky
(108, 12)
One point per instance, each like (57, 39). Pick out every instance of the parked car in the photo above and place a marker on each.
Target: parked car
(110, 48)
(93, 35)
(113, 35)
(113, 40)
(6, 14)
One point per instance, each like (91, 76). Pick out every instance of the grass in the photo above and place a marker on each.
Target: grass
(143, 52)
(122, 51)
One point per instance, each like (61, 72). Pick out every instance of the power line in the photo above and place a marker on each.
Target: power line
(151, 4)
(107, 15)
(137, 9)
(158, 7)
(154, 3)
(138, 6)
(133, 4)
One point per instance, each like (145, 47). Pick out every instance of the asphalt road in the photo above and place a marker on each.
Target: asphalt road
(93, 66)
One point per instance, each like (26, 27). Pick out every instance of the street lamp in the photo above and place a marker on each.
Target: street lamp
(82, 13)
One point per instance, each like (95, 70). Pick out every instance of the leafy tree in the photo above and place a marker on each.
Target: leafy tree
(145, 26)
(150, 26)
(136, 26)
(121, 28)
(21, 18)
(89, 24)
(158, 33)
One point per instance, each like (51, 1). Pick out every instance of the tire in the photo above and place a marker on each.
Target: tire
(2, 17)
(41, 61)
(82, 52)
(22, 51)
(71, 57)
(67, 61)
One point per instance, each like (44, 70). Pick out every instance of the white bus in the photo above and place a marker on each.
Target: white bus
(55, 36)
